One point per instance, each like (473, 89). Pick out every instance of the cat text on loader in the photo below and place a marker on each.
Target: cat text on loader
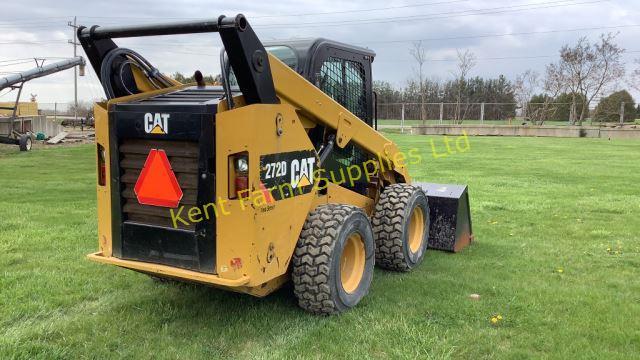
(277, 174)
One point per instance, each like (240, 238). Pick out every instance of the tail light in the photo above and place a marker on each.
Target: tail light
(102, 166)
(239, 175)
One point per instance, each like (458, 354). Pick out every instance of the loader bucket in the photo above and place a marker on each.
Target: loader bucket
(450, 217)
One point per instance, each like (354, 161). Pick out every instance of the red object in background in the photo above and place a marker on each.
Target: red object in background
(157, 184)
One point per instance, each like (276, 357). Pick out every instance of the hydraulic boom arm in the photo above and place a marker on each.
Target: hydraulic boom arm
(262, 79)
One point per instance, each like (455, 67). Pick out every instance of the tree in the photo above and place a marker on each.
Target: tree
(386, 93)
(466, 62)
(566, 105)
(525, 86)
(419, 54)
(635, 78)
(586, 70)
(608, 108)
(539, 109)
(84, 109)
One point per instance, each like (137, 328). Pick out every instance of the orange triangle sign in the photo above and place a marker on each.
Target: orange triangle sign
(157, 184)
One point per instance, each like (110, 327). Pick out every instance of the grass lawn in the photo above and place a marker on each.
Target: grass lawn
(557, 256)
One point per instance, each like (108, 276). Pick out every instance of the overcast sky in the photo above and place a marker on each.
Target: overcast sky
(531, 32)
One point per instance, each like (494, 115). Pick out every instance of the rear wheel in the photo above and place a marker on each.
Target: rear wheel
(401, 227)
(334, 259)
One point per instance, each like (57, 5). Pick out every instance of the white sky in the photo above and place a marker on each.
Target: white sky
(38, 28)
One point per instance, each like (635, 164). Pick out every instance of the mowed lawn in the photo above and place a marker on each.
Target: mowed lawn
(557, 256)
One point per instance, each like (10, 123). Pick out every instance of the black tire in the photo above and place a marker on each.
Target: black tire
(316, 267)
(25, 142)
(396, 249)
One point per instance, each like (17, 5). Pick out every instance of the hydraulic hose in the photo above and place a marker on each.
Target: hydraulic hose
(131, 58)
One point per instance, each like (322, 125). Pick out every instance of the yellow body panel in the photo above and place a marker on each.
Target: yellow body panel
(252, 229)
(104, 192)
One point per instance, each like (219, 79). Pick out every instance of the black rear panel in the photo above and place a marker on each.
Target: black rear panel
(183, 156)
(147, 233)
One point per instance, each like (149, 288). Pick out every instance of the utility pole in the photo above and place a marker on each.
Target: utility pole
(74, 42)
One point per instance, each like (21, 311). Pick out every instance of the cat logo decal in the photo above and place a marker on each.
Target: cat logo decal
(157, 124)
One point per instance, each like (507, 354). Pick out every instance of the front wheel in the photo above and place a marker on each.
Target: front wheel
(334, 259)
(401, 227)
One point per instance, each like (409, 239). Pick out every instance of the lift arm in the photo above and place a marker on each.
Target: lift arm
(262, 78)
(297, 91)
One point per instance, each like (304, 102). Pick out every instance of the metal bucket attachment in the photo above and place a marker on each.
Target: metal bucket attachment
(450, 217)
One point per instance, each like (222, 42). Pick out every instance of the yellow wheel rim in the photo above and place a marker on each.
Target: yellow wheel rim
(352, 263)
(416, 229)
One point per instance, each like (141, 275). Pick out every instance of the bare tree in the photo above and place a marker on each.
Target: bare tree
(525, 86)
(552, 87)
(419, 54)
(466, 62)
(586, 70)
(635, 76)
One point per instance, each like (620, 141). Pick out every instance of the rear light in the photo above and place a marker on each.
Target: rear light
(102, 166)
(239, 175)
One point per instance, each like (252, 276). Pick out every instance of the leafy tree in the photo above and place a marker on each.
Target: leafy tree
(608, 109)
(563, 103)
(387, 94)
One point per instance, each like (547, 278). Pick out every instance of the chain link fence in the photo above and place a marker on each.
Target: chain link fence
(65, 113)
(411, 114)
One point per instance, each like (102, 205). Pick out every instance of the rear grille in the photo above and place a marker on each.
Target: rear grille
(183, 156)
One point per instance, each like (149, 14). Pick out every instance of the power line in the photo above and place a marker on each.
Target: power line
(26, 42)
(494, 58)
(524, 33)
(307, 14)
(12, 60)
(16, 63)
(430, 39)
(32, 20)
(443, 15)
(433, 16)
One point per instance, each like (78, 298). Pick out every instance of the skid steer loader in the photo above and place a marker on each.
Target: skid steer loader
(276, 175)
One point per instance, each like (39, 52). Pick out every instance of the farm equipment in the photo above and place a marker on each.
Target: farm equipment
(277, 174)
(13, 130)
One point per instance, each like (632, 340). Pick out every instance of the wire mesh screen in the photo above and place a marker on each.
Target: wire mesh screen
(340, 167)
(344, 81)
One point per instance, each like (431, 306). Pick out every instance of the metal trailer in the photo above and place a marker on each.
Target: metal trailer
(22, 136)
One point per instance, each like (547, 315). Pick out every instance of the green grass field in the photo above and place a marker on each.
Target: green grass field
(557, 256)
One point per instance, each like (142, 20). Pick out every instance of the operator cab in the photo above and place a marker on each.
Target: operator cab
(341, 71)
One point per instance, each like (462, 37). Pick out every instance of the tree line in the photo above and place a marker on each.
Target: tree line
(567, 90)
(460, 94)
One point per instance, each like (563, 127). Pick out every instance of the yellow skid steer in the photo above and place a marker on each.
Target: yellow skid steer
(275, 174)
